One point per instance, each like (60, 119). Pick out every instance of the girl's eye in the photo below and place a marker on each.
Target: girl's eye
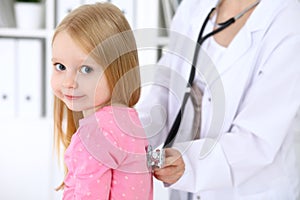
(86, 69)
(60, 67)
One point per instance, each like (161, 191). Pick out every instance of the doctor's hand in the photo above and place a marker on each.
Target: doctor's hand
(173, 167)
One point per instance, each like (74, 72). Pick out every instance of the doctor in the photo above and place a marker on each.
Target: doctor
(251, 155)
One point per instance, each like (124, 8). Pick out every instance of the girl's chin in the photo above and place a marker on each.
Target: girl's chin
(74, 108)
(86, 111)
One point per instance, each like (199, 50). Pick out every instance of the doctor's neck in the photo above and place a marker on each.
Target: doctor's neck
(237, 5)
(230, 8)
(233, 8)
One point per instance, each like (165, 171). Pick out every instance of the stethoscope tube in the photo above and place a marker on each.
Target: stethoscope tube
(175, 126)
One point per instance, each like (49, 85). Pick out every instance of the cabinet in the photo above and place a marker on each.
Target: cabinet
(31, 50)
(27, 168)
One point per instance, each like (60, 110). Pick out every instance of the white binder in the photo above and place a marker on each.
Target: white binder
(7, 78)
(144, 8)
(29, 77)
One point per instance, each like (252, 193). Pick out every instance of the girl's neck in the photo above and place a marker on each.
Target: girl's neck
(91, 111)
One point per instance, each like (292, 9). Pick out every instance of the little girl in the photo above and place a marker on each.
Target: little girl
(96, 82)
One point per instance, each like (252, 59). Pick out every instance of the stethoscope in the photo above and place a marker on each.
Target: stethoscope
(221, 26)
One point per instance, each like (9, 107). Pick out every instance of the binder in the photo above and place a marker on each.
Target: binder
(169, 8)
(7, 14)
(167, 13)
(29, 77)
(146, 31)
(7, 78)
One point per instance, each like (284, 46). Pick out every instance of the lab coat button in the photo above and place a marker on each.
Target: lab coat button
(198, 197)
(209, 99)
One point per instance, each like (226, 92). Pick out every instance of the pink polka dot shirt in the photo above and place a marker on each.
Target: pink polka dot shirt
(106, 158)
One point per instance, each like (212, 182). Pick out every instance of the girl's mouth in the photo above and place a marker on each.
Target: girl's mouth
(71, 97)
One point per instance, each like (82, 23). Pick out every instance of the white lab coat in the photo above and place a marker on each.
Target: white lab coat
(251, 156)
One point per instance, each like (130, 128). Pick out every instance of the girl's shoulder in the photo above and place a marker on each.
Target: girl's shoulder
(113, 135)
(120, 126)
(121, 123)
(115, 113)
(109, 116)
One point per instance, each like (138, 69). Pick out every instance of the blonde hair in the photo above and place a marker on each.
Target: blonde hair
(104, 33)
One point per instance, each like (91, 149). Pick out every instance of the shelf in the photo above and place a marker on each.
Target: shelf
(23, 33)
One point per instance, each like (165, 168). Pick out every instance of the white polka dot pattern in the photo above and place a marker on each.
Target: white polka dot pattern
(89, 177)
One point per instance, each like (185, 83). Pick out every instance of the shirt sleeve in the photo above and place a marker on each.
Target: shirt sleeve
(124, 153)
(101, 146)
(116, 142)
(128, 185)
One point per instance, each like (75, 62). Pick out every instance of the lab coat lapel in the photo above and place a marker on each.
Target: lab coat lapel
(235, 50)
(244, 39)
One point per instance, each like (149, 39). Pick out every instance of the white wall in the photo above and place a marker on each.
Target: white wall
(27, 170)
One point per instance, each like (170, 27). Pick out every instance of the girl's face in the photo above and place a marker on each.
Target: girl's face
(77, 79)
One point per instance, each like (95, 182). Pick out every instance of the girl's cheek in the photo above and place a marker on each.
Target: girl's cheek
(55, 85)
(53, 82)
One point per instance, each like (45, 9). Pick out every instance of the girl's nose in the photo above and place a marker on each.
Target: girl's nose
(70, 81)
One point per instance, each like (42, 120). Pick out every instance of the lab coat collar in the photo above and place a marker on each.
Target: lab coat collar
(237, 48)
(261, 17)
(265, 11)
(263, 14)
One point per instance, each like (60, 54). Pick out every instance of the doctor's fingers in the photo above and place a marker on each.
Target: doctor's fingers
(172, 157)
(169, 174)
(173, 167)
